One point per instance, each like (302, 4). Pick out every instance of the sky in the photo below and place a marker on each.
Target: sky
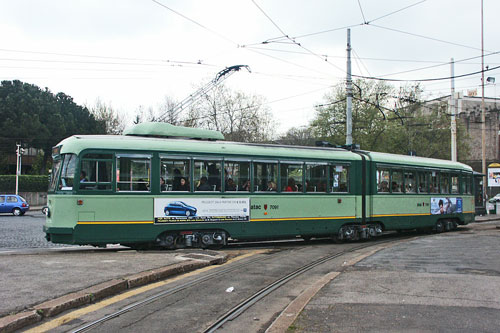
(134, 53)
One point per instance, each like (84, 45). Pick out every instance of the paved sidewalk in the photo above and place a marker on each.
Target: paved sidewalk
(35, 284)
(444, 282)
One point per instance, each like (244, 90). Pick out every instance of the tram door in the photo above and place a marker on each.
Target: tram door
(479, 202)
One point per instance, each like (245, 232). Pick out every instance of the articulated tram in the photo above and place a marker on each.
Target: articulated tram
(160, 185)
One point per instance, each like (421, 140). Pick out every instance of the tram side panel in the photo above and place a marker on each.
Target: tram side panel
(398, 212)
(305, 215)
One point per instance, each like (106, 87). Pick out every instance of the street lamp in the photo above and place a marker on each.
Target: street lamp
(19, 153)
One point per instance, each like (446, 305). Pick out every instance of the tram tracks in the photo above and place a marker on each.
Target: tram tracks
(243, 305)
(167, 292)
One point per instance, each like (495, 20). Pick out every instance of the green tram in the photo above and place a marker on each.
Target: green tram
(160, 185)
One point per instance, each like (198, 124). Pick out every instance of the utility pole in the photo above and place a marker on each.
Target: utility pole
(348, 139)
(483, 115)
(453, 114)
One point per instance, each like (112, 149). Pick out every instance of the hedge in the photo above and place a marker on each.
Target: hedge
(27, 183)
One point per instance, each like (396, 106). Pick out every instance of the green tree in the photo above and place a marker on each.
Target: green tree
(368, 116)
(387, 120)
(40, 119)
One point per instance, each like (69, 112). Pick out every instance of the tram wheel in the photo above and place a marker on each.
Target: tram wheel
(439, 227)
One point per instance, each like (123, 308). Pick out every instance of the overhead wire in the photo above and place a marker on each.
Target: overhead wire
(269, 18)
(424, 80)
(396, 11)
(195, 22)
(425, 37)
(355, 25)
(292, 40)
(362, 14)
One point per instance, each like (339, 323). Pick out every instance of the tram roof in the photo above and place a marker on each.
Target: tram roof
(386, 158)
(78, 143)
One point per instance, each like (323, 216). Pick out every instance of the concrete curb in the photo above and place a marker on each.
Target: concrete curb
(100, 291)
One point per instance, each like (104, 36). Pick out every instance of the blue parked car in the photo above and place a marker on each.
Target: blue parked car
(179, 208)
(15, 204)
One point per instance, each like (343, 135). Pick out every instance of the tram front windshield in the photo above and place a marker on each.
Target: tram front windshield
(63, 173)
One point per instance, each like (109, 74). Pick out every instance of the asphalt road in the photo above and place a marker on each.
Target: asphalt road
(23, 232)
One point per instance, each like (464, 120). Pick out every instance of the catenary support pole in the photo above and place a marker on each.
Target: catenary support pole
(348, 139)
(453, 114)
(483, 115)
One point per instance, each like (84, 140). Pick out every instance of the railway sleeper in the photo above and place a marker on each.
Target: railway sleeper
(192, 238)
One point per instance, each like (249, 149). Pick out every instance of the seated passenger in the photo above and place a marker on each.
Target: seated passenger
(204, 186)
(246, 186)
(271, 186)
(163, 186)
(183, 185)
(230, 185)
(395, 187)
(142, 185)
(291, 187)
(83, 177)
(309, 187)
(384, 186)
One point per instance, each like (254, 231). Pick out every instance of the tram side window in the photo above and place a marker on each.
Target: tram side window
(236, 176)
(397, 181)
(96, 172)
(133, 173)
(383, 179)
(316, 177)
(265, 176)
(410, 181)
(207, 175)
(454, 184)
(67, 172)
(339, 178)
(444, 183)
(434, 185)
(291, 177)
(468, 184)
(174, 175)
(423, 182)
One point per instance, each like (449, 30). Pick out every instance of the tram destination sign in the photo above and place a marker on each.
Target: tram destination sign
(194, 210)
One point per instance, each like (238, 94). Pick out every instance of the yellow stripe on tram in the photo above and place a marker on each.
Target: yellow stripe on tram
(388, 215)
(115, 222)
(303, 218)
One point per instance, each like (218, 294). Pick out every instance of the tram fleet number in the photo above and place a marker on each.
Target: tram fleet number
(265, 207)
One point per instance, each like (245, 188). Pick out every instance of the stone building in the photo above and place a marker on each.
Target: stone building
(468, 109)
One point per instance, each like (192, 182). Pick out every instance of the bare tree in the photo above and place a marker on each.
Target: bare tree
(114, 123)
(239, 116)
(164, 112)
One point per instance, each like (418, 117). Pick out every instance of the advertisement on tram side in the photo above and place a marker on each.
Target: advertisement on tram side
(178, 210)
(445, 205)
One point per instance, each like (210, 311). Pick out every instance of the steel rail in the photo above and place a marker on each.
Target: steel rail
(167, 292)
(241, 307)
